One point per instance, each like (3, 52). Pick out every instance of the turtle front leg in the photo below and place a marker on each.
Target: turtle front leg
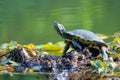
(76, 45)
(67, 46)
(104, 53)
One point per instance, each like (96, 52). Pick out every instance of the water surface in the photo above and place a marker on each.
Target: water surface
(31, 21)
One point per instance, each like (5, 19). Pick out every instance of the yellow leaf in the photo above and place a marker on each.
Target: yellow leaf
(105, 64)
(116, 74)
(6, 65)
(30, 70)
(116, 39)
(1, 68)
(60, 43)
(57, 53)
(19, 45)
(30, 46)
(51, 47)
(102, 36)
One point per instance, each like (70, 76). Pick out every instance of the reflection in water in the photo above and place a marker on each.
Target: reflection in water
(32, 21)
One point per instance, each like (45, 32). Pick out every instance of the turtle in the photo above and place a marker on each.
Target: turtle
(80, 39)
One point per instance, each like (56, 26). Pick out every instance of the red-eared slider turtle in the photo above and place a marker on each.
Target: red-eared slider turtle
(80, 39)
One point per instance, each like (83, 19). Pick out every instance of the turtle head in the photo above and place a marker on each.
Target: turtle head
(60, 29)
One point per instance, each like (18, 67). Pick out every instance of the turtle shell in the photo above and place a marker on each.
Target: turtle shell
(86, 37)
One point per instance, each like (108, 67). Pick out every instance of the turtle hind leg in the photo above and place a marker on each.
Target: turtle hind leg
(104, 53)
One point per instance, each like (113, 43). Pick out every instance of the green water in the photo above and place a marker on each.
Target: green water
(31, 21)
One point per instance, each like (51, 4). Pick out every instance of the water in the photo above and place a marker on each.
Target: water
(31, 21)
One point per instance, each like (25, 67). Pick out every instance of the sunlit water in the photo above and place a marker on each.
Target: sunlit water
(31, 21)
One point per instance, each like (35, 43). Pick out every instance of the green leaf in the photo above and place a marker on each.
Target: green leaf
(96, 63)
(4, 46)
(38, 47)
(13, 63)
(13, 43)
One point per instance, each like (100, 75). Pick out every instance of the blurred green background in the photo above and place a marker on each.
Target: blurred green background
(31, 21)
